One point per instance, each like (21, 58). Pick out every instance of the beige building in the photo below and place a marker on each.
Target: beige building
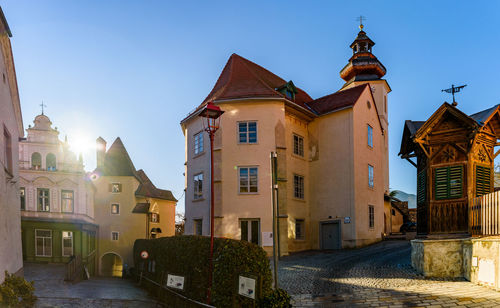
(332, 157)
(11, 126)
(127, 207)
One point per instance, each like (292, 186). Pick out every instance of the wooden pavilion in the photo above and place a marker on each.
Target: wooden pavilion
(455, 156)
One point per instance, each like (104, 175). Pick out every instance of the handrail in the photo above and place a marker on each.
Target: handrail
(74, 269)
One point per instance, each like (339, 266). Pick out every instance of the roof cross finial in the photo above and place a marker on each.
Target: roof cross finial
(454, 90)
(360, 19)
(43, 105)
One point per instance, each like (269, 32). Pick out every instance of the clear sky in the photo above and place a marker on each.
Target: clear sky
(134, 69)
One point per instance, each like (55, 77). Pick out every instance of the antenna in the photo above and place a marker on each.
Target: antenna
(454, 90)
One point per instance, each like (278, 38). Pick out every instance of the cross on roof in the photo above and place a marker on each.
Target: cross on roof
(43, 105)
(360, 19)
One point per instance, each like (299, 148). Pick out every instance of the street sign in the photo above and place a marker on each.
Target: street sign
(176, 282)
(246, 287)
(347, 220)
(144, 254)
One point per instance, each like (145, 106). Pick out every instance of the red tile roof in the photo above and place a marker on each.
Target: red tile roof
(337, 100)
(242, 78)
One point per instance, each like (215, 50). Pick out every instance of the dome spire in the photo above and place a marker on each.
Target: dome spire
(42, 105)
(361, 18)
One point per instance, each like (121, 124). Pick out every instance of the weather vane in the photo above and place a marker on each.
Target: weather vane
(360, 19)
(43, 105)
(454, 90)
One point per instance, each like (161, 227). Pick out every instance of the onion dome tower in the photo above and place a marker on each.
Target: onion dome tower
(363, 65)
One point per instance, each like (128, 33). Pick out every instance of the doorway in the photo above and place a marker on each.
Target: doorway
(330, 235)
(111, 265)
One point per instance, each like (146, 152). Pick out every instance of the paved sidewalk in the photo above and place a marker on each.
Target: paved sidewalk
(53, 291)
(376, 276)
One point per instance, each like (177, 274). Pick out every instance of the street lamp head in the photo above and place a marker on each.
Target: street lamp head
(212, 114)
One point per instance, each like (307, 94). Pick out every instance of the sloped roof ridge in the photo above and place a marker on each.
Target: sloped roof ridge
(341, 92)
(482, 116)
(346, 92)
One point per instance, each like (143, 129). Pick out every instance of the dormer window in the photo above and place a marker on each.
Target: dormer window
(289, 94)
(288, 90)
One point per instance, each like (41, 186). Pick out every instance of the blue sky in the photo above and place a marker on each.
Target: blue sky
(134, 69)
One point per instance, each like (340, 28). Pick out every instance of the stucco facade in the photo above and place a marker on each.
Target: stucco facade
(12, 129)
(332, 161)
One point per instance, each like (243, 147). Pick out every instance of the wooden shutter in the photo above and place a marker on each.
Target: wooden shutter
(421, 185)
(483, 180)
(448, 182)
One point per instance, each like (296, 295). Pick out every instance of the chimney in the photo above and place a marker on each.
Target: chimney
(100, 151)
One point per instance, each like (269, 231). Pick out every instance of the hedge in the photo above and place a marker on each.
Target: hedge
(187, 256)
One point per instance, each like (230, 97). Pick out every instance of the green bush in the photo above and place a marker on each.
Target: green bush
(16, 292)
(187, 256)
(277, 299)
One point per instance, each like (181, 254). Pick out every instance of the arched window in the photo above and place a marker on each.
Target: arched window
(36, 161)
(51, 162)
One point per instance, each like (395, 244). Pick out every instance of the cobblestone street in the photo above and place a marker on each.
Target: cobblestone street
(376, 276)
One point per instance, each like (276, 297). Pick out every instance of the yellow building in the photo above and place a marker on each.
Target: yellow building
(332, 157)
(127, 207)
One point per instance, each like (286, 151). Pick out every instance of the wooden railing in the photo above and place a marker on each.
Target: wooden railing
(74, 269)
(484, 215)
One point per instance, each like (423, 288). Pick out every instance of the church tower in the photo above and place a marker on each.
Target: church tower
(364, 67)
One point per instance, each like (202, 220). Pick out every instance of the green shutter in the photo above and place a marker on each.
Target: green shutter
(421, 183)
(448, 182)
(483, 180)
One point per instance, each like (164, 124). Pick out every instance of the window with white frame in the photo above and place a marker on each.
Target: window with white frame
(371, 216)
(43, 243)
(298, 145)
(250, 230)
(155, 217)
(43, 199)
(115, 235)
(67, 199)
(370, 176)
(198, 226)
(115, 208)
(247, 132)
(198, 186)
(298, 186)
(248, 179)
(115, 188)
(370, 136)
(299, 229)
(67, 243)
(198, 143)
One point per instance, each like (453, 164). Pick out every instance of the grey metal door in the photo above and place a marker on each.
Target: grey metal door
(330, 235)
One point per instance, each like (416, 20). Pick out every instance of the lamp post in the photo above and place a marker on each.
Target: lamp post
(211, 123)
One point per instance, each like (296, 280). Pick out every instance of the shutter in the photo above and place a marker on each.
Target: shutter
(421, 183)
(455, 176)
(441, 183)
(483, 180)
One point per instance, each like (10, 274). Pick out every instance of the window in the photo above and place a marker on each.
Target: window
(114, 235)
(421, 183)
(22, 193)
(385, 104)
(43, 200)
(115, 188)
(248, 179)
(299, 229)
(51, 162)
(448, 182)
(198, 143)
(67, 201)
(67, 243)
(250, 230)
(483, 180)
(370, 136)
(247, 132)
(36, 161)
(7, 155)
(298, 145)
(198, 226)
(115, 208)
(393, 212)
(43, 239)
(370, 176)
(371, 216)
(155, 217)
(298, 186)
(198, 186)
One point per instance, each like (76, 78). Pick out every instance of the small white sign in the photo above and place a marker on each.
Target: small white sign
(176, 282)
(486, 274)
(474, 261)
(267, 239)
(144, 254)
(347, 220)
(247, 287)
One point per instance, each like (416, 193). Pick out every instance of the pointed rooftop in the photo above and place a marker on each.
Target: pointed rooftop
(117, 162)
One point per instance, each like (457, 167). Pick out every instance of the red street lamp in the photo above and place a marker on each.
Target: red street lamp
(212, 115)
